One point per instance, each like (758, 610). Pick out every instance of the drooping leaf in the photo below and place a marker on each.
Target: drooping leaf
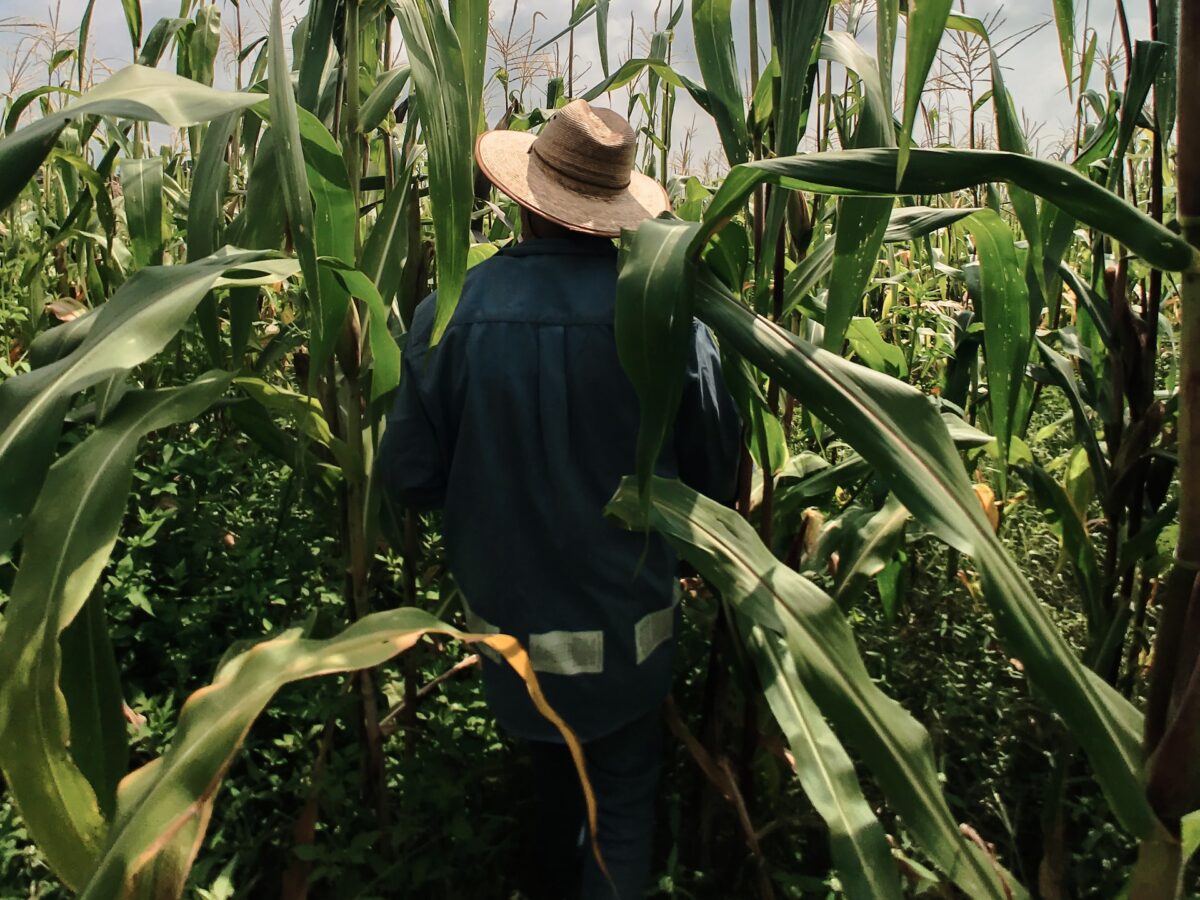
(652, 324)
(859, 847)
(1148, 58)
(870, 551)
(176, 791)
(725, 549)
(71, 532)
(136, 323)
(135, 92)
(385, 352)
(1060, 372)
(901, 435)
(939, 171)
(91, 684)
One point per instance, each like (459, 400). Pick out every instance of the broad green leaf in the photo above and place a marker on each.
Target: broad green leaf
(135, 92)
(91, 684)
(713, 33)
(940, 171)
(314, 53)
(142, 188)
(1011, 137)
(444, 108)
(652, 324)
(724, 548)
(870, 551)
(856, 840)
(798, 28)
(301, 410)
(926, 24)
(135, 324)
(204, 40)
(381, 100)
(71, 533)
(176, 791)
(902, 437)
(386, 251)
(385, 352)
(470, 21)
(157, 40)
(861, 220)
(868, 344)
(1003, 305)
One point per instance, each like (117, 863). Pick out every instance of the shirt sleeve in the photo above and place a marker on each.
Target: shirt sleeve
(708, 430)
(412, 461)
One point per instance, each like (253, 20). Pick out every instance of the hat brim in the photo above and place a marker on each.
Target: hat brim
(505, 158)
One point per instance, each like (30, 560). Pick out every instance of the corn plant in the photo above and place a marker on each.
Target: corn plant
(309, 191)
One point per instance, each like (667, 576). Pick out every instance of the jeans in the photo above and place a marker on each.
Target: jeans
(623, 768)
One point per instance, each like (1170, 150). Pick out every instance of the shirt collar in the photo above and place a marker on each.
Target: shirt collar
(583, 245)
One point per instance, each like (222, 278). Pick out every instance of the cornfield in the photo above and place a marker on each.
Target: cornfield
(938, 342)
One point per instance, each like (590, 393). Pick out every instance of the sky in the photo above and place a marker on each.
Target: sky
(1033, 68)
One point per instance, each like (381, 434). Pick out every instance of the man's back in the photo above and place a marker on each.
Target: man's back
(520, 424)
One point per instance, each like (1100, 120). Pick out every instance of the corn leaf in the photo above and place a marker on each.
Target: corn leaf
(937, 171)
(926, 24)
(652, 324)
(470, 21)
(1003, 305)
(381, 100)
(142, 188)
(713, 31)
(1064, 21)
(903, 438)
(172, 796)
(444, 108)
(856, 840)
(725, 549)
(135, 324)
(861, 220)
(71, 533)
(135, 92)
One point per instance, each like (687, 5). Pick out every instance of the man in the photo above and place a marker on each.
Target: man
(520, 424)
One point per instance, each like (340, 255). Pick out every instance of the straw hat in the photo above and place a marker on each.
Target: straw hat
(577, 172)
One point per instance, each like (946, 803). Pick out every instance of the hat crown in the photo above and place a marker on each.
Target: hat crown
(590, 148)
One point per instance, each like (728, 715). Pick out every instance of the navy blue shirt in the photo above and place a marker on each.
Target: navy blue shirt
(520, 425)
